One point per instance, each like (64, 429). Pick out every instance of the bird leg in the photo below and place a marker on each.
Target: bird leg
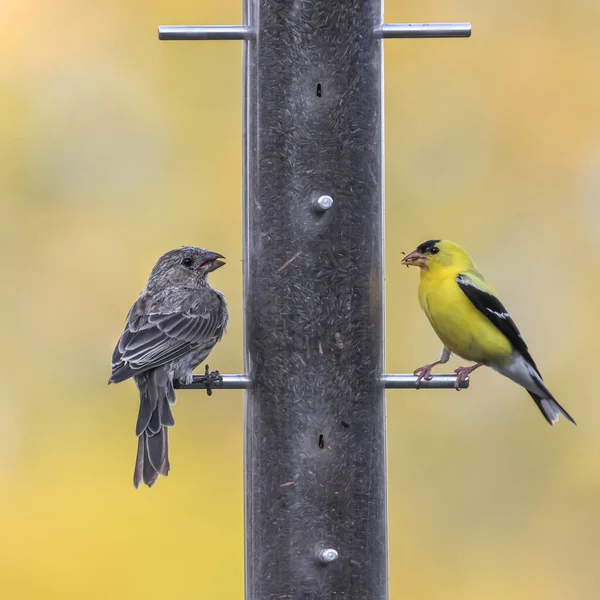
(424, 372)
(462, 374)
(209, 379)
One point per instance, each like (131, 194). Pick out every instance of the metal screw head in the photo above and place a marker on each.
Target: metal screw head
(323, 203)
(327, 555)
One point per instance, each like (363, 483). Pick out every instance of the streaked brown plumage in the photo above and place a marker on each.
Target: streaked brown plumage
(170, 330)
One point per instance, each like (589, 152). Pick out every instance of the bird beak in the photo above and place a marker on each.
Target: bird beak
(415, 259)
(210, 262)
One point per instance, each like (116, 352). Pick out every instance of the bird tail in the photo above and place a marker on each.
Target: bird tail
(155, 416)
(550, 408)
(522, 370)
(544, 400)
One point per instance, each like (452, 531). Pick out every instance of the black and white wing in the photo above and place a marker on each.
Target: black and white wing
(494, 310)
(521, 369)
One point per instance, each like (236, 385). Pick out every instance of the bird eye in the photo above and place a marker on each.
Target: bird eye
(187, 262)
(434, 250)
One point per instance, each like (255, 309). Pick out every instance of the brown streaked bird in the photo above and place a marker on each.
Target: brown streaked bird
(169, 331)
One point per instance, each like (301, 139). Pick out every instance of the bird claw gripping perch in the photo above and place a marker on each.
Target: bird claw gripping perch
(423, 373)
(462, 374)
(210, 379)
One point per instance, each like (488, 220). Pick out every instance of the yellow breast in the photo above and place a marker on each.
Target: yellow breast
(462, 328)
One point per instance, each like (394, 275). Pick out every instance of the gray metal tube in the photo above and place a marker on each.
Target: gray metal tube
(390, 381)
(228, 382)
(424, 30)
(241, 32)
(399, 381)
(315, 414)
(204, 32)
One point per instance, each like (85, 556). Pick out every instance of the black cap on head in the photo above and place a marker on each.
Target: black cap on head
(427, 246)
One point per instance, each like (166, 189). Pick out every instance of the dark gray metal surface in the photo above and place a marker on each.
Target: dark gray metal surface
(315, 413)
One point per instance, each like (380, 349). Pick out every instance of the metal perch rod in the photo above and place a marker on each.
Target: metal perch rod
(242, 32)
(391, 381)
(204, 32)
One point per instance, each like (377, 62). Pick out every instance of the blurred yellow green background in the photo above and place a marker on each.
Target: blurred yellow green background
(115, 147)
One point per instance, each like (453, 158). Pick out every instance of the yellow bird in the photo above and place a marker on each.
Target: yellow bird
(467, 316)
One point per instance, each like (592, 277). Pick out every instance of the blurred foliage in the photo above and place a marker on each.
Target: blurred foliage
(115, 147)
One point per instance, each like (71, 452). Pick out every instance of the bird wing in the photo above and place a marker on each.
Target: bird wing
(154, 337)
(483, 298)
(522, 369)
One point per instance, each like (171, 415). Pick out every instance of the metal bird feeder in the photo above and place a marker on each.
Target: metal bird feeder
(315, 467)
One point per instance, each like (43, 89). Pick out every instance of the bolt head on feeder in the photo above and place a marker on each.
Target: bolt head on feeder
(322, 203)
(327, 555)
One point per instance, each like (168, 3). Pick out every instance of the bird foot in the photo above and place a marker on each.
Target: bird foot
(462, 374)
(211, 378)
(187, 379)
(424, 372)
